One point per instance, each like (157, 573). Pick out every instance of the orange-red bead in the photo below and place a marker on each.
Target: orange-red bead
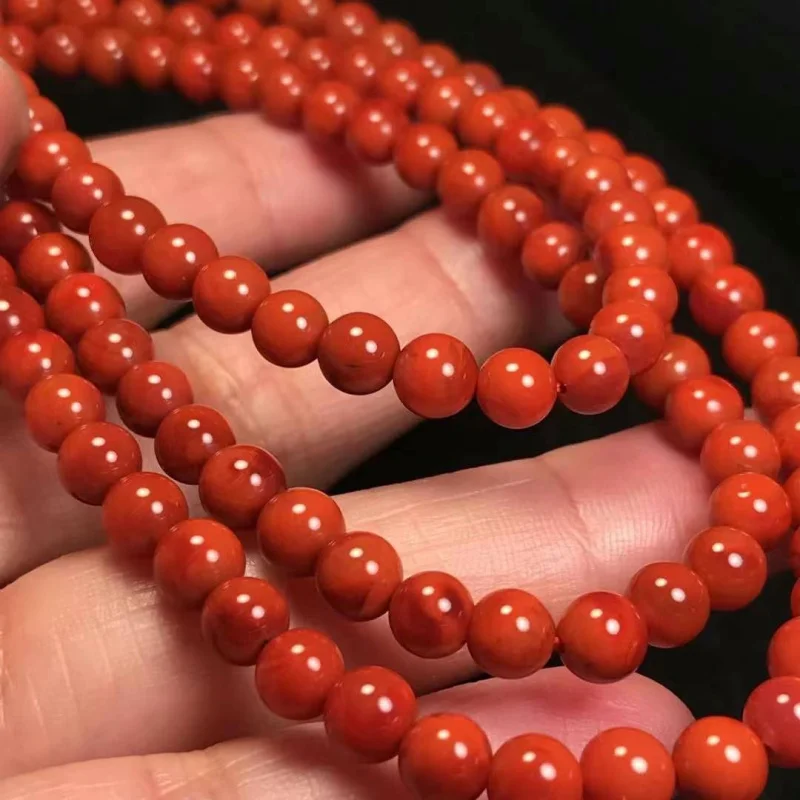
(435, 376)
(445, 756)
(109, 349)
(374, 130)
(43, 156)
(511, 634)
(48, 259)
(562, 120)
(645, 174)
(555, 157)
(673, 601)
(21, 221)
(241, 615)
(239, 78)
(279, 42)
(617, 207)
(602, 637)
(358, 574)
(80, 190)
(18, 46)
(94, 457)
(307, 16)
(550, 250)
(717, 758)
(441, 100)
(632, 244)
(421, 151)
(350, 21)
(430, 613)
(36, 14)
(86, 13)
(776, 386)
(188, 21)
(507, 216)
(79, 302)
(19, 313)
(721, 295)
(440, 60)
(7, 275)
(518, 145)
(534, 765)
(236, 30)
(369, 712)
(328, 109)
(105, 55)
(580, 293)
(195, 70)
(193, 558)
(783, 655)
(740, 446)
(394, 38)
(58, 405)
(627, 763)
(648, 285)
(603, 143)
(730, 563)
(359, 65)
(696, 406)
(754, 503)
(481, 119)
(140, 17)
(139, 510)
(44, 116)
(786, 430)
(150, 61)
(754, 338)
(481, 77)
(635, 328)
(589, 177)
(675, 209)
(696, 249)
(771, 712)
(466, 178)
(401, 81)
(516, 388)
(296, 671)
(316, 57)
(28, 357)
(296, 525)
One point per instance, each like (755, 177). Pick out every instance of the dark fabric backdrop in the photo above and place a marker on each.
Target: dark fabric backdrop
(706, 87)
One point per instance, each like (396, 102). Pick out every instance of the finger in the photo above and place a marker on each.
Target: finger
(13, 118)
(299, 764)
(426, 270)
(583, 518)
(259, 191)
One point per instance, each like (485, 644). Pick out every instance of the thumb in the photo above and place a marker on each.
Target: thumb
(13, 116)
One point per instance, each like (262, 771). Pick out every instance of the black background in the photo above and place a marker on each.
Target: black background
(708, 88)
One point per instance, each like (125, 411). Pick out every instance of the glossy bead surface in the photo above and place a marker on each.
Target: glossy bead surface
(19, 313)
(43, 156)
(675, 209)
(369, 712)
(350, 21)
(645, 174)
(466, 178)
(754, 503)
(237, 482)
(441, 99)
(139, 510)
(648, 285)
(18, 46)
(783, 656)
(776, 386)
(633, 244)
(79, 302)
(150, 61)
(21, 221)
(481, 77)
(188, 21)
(227, 292)
(147, 392)
(172, 257)
(358, 574)
(80, 190)
(279, 42)
(357, 353)
(562, 120)
(195, 70)
(394, 38)
(35, 14)
(754, 338)
(673, 602)
(440, 60)
(435, 376)
(60, 404)
(195, 557)
(359, 65)
(604, 143)
(401, 81)
(511, 634)
(316, 57)
(592, 374)
(287, 328)
(786, 430)
(105, 55)
(481, 119)
(420, 152)
(430, 614)
(296, 525)
(696, 249)
(740, 446)
(590, 176)
(88, 13)
(328, 108)
(534, 765)
(30, 356)
(445, 756)
(602, 637)
(241, 615)
(771, 713)
(307, 16)
(187, 438)
(140, 17)
(94, 457)
(518, 145)
(49, 258)
(627, 763)
(635, 328)
(516, 388)
(696, 406)
(617, 207)
(507, 216)
(374, 130)
(109, 349)
(7, 275)
(550, 250)
(236, 30)
(720, 295)
(118, 232)
(681, 358)
(730, 563)
(555, 157)
(296, 671)
(718, 758)
(44, 116)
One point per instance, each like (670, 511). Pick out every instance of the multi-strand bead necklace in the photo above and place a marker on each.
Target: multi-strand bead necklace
(586, 218)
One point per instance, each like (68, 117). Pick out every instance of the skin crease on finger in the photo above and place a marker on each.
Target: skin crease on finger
(81, 636)
(298, 764)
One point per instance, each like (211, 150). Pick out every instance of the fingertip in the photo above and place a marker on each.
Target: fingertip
(13, 116)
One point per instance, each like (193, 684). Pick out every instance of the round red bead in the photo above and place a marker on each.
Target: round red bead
(550, 250)
(743, 445)
(466, 178)
(79, 302)
(80, 190)
(773, 713)
(776, 386)
(43, 156)
(28, 357)
(420, 152)
(721, 295)
(109, 349)
(48, 259)
(674, 209)
(754, 338)
(19, 313)
(695, 250)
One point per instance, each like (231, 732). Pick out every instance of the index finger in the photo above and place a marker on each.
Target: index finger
(13, 119)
